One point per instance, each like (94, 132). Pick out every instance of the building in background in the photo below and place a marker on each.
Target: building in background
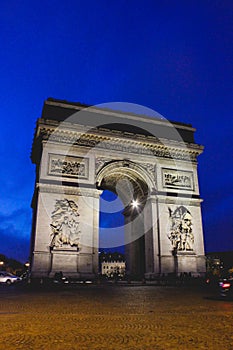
(112, 265)
(218, 263)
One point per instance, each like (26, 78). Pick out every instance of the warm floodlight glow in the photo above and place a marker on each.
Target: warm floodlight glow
(135, 203)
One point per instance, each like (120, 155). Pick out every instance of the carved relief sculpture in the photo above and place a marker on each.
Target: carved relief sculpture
(65, 224)
(173, 178)
(68, 166)
(100, 162)
(181, 235)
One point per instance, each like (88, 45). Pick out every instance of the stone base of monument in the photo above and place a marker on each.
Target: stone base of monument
(72, 263)
(186, 262)
(182, 261)
(65, 260)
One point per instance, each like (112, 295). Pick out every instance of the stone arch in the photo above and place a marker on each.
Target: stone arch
(138, 157)
(115, 172)
(131, 182)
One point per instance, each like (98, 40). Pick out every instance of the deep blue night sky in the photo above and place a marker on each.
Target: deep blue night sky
(172, 56)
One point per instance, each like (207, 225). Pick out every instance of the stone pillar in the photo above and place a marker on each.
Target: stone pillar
(177, 256)
(199, 240)
(78, 260)
(135, 244)
(88, 259)
(128, 245)
(168, 256)
(41, 255)
(152, 238)
(142, 234)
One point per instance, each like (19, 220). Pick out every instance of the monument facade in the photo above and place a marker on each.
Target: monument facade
(149, 162)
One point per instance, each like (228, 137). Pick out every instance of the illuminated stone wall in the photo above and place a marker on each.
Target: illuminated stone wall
(74, 163)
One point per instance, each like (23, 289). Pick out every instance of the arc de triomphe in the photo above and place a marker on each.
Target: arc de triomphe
(149, 162)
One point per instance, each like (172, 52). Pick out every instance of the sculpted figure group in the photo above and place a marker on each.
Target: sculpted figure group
(65, 226)
(181, 235)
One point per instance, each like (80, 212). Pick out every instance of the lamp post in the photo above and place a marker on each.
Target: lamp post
(27, 265)
(2, 263)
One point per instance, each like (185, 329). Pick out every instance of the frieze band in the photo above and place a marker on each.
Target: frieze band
(87, 140)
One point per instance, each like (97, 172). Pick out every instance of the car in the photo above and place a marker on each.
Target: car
(8, 278)
(226, 287)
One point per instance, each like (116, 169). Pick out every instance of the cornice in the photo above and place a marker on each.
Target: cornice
(68, 190)
(122, 142)
(179, 200)
(78, 107)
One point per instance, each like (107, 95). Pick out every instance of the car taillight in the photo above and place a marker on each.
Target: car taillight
(225, 285)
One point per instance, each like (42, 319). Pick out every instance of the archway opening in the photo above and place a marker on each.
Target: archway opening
(111, 222)
(122, 227)
(111, 236)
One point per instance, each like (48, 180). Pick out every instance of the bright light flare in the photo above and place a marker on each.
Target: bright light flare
(135, 203)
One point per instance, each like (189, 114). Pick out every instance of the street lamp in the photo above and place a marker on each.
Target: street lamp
(2, 264)
(27, 264)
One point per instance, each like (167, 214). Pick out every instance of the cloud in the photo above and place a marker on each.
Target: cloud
(17, 221)
(14, 245)
(15, 233)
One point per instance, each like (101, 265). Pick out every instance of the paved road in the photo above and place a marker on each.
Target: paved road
(114, 317)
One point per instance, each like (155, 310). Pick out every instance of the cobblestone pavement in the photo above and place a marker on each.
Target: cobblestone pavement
(114, 317)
